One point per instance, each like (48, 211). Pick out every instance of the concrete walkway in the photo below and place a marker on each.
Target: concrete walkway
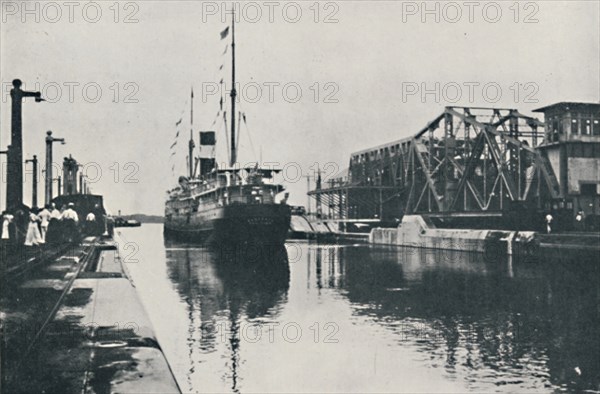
(99, 339)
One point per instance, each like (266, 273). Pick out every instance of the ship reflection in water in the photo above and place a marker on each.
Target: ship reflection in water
(360, 319)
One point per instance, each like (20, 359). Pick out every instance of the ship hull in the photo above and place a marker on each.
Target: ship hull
(242, 223)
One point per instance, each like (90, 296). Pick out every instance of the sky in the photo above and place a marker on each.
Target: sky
(317, 80)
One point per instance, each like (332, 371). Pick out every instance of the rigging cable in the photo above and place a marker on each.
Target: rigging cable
(237, 137)
(226, 139)
(249, 134)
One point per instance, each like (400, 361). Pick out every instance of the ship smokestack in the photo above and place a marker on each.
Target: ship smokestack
(207, 152)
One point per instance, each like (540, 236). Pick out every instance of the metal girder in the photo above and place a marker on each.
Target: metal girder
(470, 167)
(417, 145)
(492, 130)
(548, 175)
(495, 150)
(460, 159)
(434, 124)
(506, 155)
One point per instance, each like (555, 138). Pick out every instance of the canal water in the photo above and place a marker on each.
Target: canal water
(326, 318)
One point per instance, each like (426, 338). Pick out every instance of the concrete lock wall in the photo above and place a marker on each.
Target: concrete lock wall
(414, 231)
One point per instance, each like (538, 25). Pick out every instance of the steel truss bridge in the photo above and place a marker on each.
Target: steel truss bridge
(467, 162)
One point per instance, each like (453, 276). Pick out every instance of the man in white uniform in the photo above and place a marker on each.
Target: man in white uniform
(54, 225)
(44, 217)
(549, 219)
(90, 224)
(70, 220)
(7, 219)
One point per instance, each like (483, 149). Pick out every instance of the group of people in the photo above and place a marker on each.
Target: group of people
(579, 222)
(49, 225)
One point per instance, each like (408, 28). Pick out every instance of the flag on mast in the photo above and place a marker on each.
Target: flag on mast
(225, 33)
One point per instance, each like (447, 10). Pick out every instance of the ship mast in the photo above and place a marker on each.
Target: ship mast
(233, 92)
(191, 143)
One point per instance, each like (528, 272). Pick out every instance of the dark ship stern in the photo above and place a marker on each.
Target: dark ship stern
(259, 223)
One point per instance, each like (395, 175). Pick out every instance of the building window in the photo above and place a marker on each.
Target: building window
(596, 127)
(554, 133)
(574, 126)
(587, 127)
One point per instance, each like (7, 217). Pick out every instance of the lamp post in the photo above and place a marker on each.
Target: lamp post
(14, 187)
(34, 185)
(59, 181)
(49, 179)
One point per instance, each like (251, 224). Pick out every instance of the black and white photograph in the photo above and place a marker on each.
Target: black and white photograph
(310, 196)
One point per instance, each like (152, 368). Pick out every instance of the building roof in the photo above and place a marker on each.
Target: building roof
(567, 105)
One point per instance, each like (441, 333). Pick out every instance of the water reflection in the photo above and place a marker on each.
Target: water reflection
(530, 326)
(372, 319)
(222, 287)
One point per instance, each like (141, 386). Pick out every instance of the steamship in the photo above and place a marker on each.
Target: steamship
(225, 205)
